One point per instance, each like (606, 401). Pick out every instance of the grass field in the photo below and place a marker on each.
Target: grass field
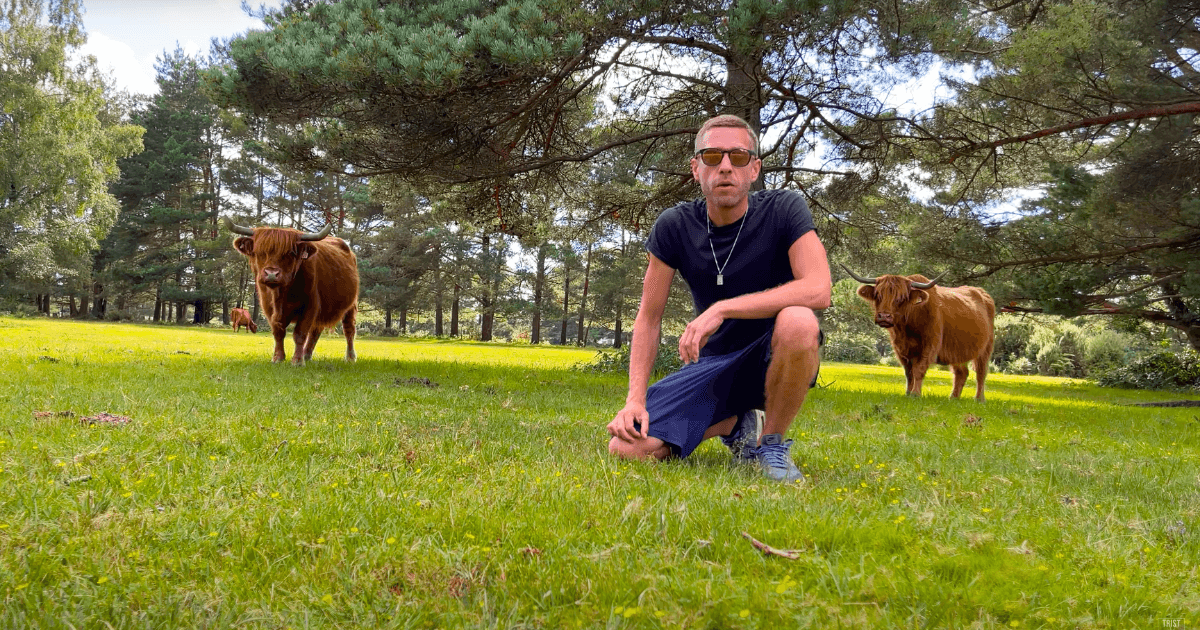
(466, 485)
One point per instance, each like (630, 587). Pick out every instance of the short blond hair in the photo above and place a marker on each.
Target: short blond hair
(726, 120)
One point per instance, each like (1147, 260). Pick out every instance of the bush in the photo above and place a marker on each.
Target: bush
(1106, 351)
(1012, 337)
(1057, 351)
(612, 362)
(1161, 370)
(19, 309)
(1021, 365)
(850, 348)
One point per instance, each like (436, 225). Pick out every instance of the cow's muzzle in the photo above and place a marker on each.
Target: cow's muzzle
(884, 320)
(272, 276)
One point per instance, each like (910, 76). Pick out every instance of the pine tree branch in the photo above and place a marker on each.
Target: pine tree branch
(1095, 121)
(1190, 240)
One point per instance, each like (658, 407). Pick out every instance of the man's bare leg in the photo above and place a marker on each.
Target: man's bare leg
(795, 357)
(648, 447)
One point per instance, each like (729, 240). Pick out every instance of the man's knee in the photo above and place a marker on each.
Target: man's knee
(796, 330)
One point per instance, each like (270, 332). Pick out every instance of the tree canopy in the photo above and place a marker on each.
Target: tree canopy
(60, 137)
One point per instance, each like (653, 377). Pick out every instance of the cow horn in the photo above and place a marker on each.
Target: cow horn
(926, 285)
(858, 277)
(237, 229)
(309, 236)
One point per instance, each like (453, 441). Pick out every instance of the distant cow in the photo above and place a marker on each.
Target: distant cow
(239, 317)
(928, 323)
(303, 278)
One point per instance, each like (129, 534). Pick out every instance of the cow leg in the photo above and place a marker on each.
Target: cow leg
(919, 368)
(348, 331)
(981, 371)
(300, 338)
(279, 331)
(312, 342)
(908, 376)
(960, 378)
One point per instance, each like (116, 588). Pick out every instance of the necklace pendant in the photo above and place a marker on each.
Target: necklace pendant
(720, 279)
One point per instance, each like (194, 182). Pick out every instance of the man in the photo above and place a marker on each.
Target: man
(757, 272)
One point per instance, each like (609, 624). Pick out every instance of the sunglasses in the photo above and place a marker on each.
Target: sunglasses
(737, 157)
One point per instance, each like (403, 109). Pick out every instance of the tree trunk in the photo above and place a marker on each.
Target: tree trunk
(535, 336)
(100, 303)
(497, 276)
(743, 89)
(387, 318)
(439, 292)
(562, 333)
(587, 271)
(454, 311)
(488, 301)
(83, 305)
(404, 319)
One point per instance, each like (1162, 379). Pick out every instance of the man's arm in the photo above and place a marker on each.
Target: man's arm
(647, 328)
(812, 288)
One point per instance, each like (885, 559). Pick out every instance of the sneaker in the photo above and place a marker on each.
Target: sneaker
(743, 439)
(775, 458)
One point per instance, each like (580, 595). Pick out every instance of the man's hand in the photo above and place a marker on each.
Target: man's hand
(697, 333)
(622, 427)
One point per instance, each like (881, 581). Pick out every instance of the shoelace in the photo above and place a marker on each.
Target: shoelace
(776, 455)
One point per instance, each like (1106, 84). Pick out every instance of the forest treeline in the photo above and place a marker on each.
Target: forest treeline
(497, 167)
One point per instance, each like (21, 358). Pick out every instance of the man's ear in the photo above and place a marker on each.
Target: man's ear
(244, 244)
(867, 292)
(918, 296)
(305, 249)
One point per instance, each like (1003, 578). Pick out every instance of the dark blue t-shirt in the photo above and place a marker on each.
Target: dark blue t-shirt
(759, 261)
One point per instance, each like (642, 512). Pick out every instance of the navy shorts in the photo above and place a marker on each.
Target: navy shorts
(685, 404)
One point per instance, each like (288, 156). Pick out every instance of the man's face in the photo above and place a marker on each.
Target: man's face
(726, 185)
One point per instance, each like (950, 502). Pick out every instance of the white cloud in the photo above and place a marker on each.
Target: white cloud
(133, 74)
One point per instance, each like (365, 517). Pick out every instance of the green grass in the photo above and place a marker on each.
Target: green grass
(245, 494)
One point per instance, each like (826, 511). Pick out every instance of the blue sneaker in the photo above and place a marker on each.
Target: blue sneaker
(775, 458)
(743, 439)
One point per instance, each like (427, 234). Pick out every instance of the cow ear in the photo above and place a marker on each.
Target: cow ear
(867, 292)
(305, 249)
(244, 244)
(918, 296)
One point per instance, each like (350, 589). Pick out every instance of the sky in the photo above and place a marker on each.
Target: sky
(127, 36)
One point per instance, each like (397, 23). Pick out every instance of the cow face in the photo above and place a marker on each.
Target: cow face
(891, 297)
(275, 255)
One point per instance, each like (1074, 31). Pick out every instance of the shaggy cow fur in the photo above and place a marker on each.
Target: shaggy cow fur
(948, 325)
(239, 317)
(313, 284)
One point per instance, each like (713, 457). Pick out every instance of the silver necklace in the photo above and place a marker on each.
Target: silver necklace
(720, 267)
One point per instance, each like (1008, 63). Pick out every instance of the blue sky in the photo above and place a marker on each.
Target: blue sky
(127, 36)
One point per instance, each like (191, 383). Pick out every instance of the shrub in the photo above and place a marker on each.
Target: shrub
(611, 362)
(850, 348)
(19, 309)
(1012, 337)
(1067, 357)
(1052, 361)
(1161, 370)
(1021, 365)
(1106, 351)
